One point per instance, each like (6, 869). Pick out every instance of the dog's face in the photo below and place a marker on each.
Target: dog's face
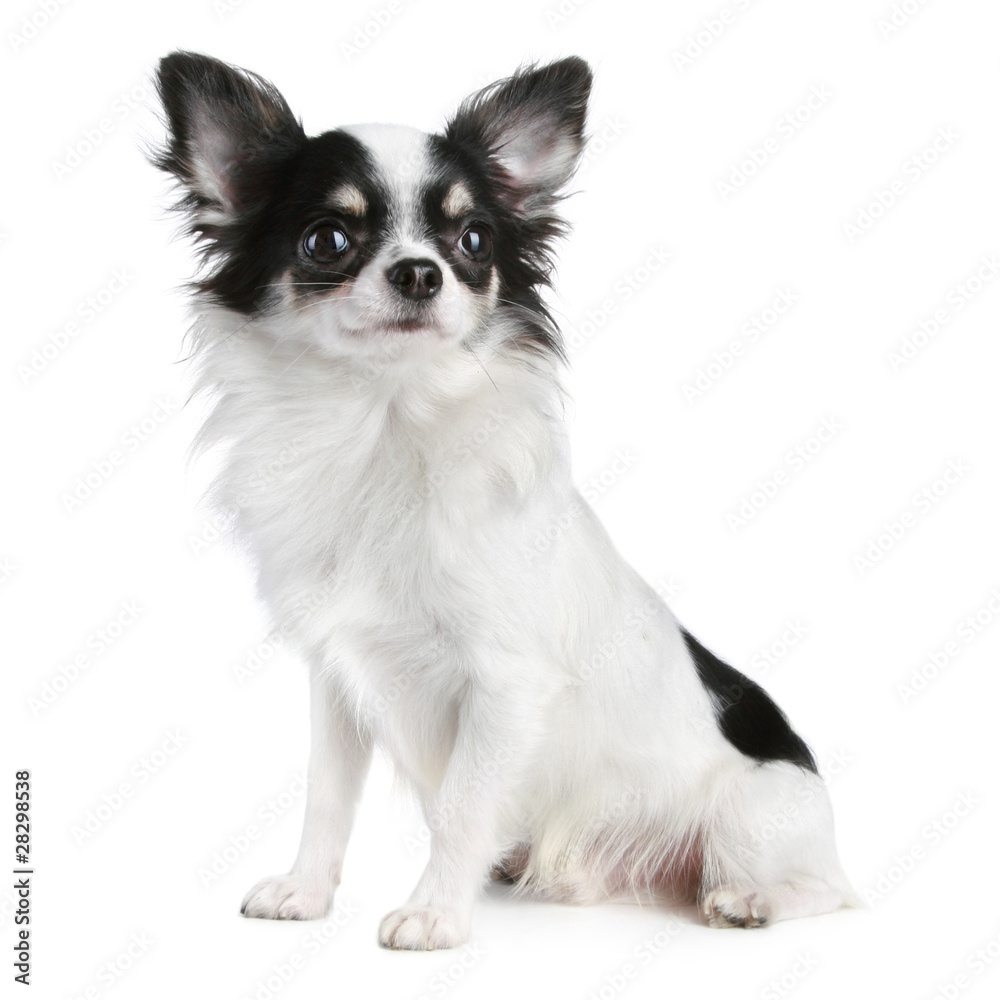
(372, 239)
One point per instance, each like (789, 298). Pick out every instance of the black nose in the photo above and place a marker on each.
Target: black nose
(415, 279)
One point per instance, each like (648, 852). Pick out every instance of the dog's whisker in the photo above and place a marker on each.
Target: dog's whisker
(304, 351)
(306, 284)
(481, 365)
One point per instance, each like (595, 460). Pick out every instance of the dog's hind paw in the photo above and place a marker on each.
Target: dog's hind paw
(734, 906)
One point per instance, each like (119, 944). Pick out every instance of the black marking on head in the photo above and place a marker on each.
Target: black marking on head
(447, 230)
(230, 134)
(254, 184)
(530, 126)
(258, 248)
(521, 252)
(747, 716)
(514, 145)
(329, 162)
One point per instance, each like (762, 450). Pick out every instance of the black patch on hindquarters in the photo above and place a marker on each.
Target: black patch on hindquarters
(747, 716)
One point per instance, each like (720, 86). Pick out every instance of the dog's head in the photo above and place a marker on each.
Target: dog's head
(372, 237)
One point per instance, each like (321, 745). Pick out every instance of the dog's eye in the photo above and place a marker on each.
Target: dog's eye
(325, 242)
(476, 243)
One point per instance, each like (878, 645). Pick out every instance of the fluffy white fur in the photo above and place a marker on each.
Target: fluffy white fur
(409, 505)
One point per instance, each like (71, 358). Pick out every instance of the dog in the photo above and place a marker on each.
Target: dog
(385, 392)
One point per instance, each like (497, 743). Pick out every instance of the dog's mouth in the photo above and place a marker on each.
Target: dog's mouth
(380, 318)
(409, 324)
(397, 329)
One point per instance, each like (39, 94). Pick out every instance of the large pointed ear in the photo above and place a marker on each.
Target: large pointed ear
(228, 132)
(531, 127)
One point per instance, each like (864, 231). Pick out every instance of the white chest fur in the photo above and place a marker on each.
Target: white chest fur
(388, 510)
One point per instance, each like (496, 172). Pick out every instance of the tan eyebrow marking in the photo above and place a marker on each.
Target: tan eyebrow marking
(348, 198)
(457, 201)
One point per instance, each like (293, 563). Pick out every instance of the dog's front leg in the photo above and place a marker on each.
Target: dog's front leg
(467, 824)
(339, 756)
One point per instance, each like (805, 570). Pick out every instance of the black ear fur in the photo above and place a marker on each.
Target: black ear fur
(531, 127)
(228, 130)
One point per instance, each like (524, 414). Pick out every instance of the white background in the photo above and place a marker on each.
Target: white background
(201, 754)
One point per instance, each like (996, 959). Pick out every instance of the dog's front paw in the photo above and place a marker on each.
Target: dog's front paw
(734, 906)
(287, 897)
(422, 928)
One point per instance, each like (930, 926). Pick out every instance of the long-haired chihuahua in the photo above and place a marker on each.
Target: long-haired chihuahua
(384, 386)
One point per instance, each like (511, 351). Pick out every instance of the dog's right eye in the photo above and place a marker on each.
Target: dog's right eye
(476, 243)
(325, 242)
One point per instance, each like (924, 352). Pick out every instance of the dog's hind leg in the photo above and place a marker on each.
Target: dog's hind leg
(768, 848)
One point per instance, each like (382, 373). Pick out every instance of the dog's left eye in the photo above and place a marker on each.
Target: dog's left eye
(325, 242)
(476, 243)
